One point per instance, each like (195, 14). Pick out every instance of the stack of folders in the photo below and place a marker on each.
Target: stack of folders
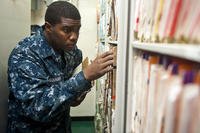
(113, 21)
(167, 21)
(166, 95)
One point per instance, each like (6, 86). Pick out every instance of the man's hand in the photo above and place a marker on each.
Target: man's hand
(101, 65)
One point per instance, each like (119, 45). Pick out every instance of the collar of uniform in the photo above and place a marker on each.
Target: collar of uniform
(42, 47)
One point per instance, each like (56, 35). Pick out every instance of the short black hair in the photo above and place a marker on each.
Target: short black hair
(59, 9)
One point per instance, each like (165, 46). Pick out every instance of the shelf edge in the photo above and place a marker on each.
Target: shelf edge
(186, 51)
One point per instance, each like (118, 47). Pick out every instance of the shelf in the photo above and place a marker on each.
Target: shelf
(113, 42)
(185, 51)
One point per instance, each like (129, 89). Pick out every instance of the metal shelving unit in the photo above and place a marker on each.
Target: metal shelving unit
(189, 52)
(184, 51)
(110, 117)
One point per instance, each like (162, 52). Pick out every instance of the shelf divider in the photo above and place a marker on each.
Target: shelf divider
(185, 51)
(113, 42)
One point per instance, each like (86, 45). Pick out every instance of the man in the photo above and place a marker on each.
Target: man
(40, 69)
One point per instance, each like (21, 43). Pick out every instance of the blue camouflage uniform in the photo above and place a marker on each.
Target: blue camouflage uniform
(42, 86)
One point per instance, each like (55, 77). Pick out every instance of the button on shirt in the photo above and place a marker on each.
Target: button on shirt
(42, 86)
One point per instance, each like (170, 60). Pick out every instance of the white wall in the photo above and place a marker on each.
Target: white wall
(14, 25)
(37, 16)
(86, 42)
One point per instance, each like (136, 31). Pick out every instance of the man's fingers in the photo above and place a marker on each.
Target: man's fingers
(107, 69)
(106, 54)
(108, 63)
(107, 58)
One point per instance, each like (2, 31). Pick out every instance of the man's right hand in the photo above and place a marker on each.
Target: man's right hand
(101, 65)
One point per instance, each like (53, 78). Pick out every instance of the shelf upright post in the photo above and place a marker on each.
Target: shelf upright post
(119, 122)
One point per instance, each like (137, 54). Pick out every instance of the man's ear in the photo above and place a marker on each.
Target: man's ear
(48, 27)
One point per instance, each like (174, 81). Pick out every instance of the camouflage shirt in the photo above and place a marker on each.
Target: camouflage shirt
(42, 86)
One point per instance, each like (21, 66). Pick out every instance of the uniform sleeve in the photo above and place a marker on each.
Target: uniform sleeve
(40, 99)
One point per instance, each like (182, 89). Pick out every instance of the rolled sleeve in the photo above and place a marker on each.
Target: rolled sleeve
(78, 83)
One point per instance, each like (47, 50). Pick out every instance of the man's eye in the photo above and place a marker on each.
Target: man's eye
(71, 29)
(67, 30)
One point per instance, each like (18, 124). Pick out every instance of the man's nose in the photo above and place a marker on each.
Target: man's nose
(73, 36)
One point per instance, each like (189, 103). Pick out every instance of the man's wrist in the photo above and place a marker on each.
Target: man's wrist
(85, 74)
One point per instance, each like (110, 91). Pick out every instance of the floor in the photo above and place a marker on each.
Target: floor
(83, 126)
